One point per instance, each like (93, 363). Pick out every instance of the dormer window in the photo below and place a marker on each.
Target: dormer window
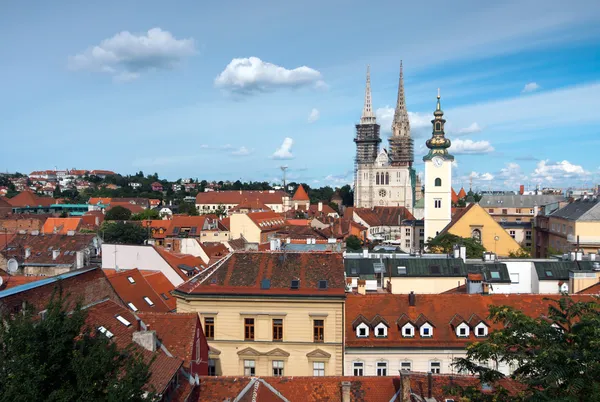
(408, 331)
(481, 330)
(462, 330)
(426, 330)
(362, 330)
(381, 331)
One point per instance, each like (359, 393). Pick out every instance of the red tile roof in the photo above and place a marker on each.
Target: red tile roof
(243, 272)
(440, 309)
(236, 197)
(134, 208)
(29, 199)
(300, 194)
(384, 216)
(102, 172)
(5, 238)
(101, 200)
(11, 281)
(175, 259)
(297, 222)
(42, 247)
(188, 222)
(226, 222)
(462, 193)
(250, 205)
(162, 286)
(454, 197)
(214, 250)
(61, 225)
(132, 287)
(267, 221)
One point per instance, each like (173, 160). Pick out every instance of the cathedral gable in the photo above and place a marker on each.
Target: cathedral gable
(383, 159)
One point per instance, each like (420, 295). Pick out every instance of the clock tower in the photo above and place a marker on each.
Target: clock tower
(438, 177)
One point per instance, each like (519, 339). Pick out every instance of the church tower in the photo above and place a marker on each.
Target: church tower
(438, 177)
(401, 143)
(367, 147)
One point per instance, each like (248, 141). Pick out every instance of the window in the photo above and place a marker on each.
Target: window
(358, 369)
(381, 331)
(426, 331)
(504, 211)
(481, 330)
(249, 368)
(495, 274)
(437, 203)
(438, 182)
(209, 327)
(407, 231)
(462, 330)
(249, 329)
(401, 270)
(150, 302)
(278, 329)
(407, 243)
(528, 234)
(381, 369)
(435, 367)
(491, 210)
(518, 211)
(277, 368)
(318, 369)
(318, 330)
(476, 235)
(130, 279)
(132, 306)
(406, 366)
(514, 277)
(421, 232)
(362, 331)
(512, 233)
(382, 193)
(387, 178)
(408, 331)
(377, 178)
(438, 126)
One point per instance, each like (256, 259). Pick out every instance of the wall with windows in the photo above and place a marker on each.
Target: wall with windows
(424, 285)
(266, 337)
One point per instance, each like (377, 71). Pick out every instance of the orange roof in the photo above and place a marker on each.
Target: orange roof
(61, 225)
(235, 197)
(297, 222)
(136, 292)
(179, 222)
(162, 286)
(134, 208)
(175, 260)
(226, 222)
(101, 200)
(267, 221)
(454, 196)
(383, 216)
(300, 194)
(462, 193)
(28, 198)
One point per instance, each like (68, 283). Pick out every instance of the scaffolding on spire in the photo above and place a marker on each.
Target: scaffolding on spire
(401, 143)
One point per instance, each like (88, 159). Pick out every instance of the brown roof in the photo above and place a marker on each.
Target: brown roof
(101, 200)
(5, 238)
(591, 290)
(214, 250)
(236, 197)
(176, 259)
(162, 286)
(104, 172)
(186, 221)
(42, 247)
(384, 216)
(133, 288)
(28, 198)
(250, 204)
(237, 244)
(442, 310)
(301, 194)
(462, 193)
(243, 272)
(267, 221)
(61, 225)
(134, 208)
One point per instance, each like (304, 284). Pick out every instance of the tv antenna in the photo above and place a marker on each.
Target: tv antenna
(283, 169)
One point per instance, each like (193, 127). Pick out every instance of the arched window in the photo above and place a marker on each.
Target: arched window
(377, 178)
(476, 235)
(387, 178)
(438, 182)
(438, 126)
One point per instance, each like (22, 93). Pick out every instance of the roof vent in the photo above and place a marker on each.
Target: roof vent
(265, 284)
(323, 285)
(295, 284)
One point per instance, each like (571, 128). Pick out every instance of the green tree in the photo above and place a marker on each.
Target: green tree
(353, 243)
(220, 211)
(118, 213)
(56, 193)
(123, 232)
(347, 195)
(146, 214)
(187, 208)
(520, 253)
(445, 242)
(59, 358)
(556, 355)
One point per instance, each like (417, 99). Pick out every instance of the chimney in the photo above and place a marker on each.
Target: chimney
(405, 381)
(521, 189)
(79, 259)
(320, 206)
(346, 391)
(361, 287)
(27, 252)
(146, 339)
(55, 254)
(430, 381)
(412, 299)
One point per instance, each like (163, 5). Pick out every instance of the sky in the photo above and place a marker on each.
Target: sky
(234, 89)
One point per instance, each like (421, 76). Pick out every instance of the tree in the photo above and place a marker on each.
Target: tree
(445, 243)
(186, 208)
(353, 243)
(556, 355)
(220, 211)
(145, 215)
(118, 213)
(347, 195)
(59, 358)
(56, 193)
(123, 232)
(520, 253)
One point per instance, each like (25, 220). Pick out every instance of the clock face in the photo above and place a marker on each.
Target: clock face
(437, 161)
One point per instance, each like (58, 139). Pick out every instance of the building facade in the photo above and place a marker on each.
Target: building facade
(384, 178)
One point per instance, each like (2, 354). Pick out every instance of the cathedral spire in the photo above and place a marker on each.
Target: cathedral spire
(367, 115)
(401, 125)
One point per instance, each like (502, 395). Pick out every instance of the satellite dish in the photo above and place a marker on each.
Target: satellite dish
(12, 266)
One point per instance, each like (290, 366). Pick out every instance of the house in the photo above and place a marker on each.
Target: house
(30, 200)
(205, 228)
(135, 185)
(208, 252)
(102, 173)
(255, 227)
(208, 202)
(5, 207)
(176, 187)
(48, 254)
(300, 200)
(25, 223)
(156, 186)
(156, 280)
(475, 222)
(61, 225)
(387, 333)
(158, 229)
(136, 292)
(516, 207)
(265, 310)
(134, 208)
(388, 223)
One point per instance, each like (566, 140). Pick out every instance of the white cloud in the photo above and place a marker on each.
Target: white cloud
(419, 122)
(241, 151)
(471, 129)
(460, 147)
(530, 87)
(340, 179)
(556, 171)
(454, 164)
(285, 150)
(314, 115)
(250, 75)
(126, 56)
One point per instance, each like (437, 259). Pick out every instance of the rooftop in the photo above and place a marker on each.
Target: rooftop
(518, 200)
(581, 210)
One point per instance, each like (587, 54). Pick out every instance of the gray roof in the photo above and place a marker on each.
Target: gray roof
(559, 270)
(415, 267)
(587, 209)
(518, 200)
(496, 272)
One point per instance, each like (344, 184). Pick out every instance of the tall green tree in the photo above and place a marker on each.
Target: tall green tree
(123, 232)
(557, 355)
(146, 214)
(445, 242)
(353, 243)
(58, 358)
(118, 213)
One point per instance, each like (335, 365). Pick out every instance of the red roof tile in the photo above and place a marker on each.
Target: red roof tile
(11, 281)
(162, 286)
(132, 287)
(301, 194)
(99, 200)
(267, 221)
(236, 197)
(384, 216)
(462, 193)
(42, 247)
(179, 222)
(591, 290)
(29, 199)
(134, 208)
(454, 197)
(61, 225)
(175, 259)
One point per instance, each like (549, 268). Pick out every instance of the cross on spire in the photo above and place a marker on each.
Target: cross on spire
(367, 115)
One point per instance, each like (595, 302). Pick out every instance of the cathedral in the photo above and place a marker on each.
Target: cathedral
(385, 177)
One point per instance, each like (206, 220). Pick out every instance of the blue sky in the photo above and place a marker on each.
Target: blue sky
(233, 90)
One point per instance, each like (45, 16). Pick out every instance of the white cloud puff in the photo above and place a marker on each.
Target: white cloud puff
(241, 151)
(285, 150)
(461, 147)
(556, 171)
(126, 56)
(314, 115)
(530, 87)
(251, 75)
(471, 129)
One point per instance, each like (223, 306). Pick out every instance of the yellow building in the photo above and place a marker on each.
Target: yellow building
(271, 313)
(475, 222)
(577, 223)
(255, 227)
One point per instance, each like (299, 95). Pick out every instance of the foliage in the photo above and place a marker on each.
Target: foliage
(117, 213)
(353, 243)
(56, 192)
(334, 206)
(220, 211)
(347, 195)
(556, 355)
(444, 243)
(123, 232)
(145, 215)
(187, 208)
(520, 253)
(59, 358)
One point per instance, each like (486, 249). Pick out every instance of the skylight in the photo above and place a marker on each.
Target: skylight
(130, 279)
(549, 273)
(401, 270)
(495, 274)
(123, 320)
(150, 302)
(132, 306)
